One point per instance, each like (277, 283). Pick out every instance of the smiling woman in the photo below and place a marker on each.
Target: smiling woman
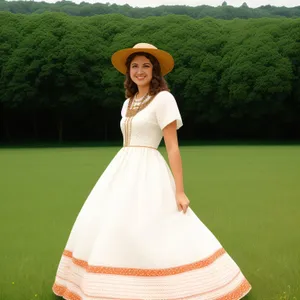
(144, 70)
(143, 75)
(136, 236)
(141, 70)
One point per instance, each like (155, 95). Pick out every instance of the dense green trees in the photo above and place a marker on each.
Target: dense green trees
(224, 11)
(238, 78)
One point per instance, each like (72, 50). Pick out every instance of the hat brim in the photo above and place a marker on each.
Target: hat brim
(165, 59)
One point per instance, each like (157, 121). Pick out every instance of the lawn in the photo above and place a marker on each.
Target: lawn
(249, 196)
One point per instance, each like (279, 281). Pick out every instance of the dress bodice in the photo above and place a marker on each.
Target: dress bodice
(145, 128)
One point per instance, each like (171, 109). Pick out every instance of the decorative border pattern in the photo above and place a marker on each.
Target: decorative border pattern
(145, 272)
(130, 113)
(127, 128)
(240, 291)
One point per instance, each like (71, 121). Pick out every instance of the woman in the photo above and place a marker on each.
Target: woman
(136, 237)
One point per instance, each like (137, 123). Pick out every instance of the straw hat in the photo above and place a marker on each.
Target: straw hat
(165, 59)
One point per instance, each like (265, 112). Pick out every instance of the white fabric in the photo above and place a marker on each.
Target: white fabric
(216, 280)
(167, 110)
(147, 125)
(130, 220)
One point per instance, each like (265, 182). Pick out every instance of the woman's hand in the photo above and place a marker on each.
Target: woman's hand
(182, 202)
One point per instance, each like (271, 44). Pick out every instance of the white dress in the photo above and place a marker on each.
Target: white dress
(130, 242)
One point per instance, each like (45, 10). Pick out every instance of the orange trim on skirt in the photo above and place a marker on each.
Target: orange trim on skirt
(145, 272)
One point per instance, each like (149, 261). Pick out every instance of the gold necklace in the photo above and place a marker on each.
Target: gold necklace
(136, 99)
(138, 103)
(131, 112)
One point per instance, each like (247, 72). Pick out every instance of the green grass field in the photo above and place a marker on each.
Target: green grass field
(249, 196)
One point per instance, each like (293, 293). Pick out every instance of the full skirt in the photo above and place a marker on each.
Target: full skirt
(129, 241)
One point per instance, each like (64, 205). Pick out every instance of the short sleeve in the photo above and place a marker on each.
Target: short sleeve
(124, 108)
(167, 110)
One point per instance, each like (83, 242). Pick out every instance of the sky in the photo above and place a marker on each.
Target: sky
(153, 3)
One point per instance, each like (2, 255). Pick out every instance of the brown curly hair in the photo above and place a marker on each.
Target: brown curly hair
(157, 84)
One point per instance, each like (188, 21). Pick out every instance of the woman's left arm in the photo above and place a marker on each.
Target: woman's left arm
(171, 142)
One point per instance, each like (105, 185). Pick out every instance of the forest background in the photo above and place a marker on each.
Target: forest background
(236, 72)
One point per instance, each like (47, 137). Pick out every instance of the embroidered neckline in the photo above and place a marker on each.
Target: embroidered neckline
(133, 109)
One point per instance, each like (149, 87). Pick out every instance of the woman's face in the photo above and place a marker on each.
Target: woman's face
(141, 71)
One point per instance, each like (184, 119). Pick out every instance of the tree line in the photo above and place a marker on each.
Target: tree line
(232, 79)
(223, 11)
